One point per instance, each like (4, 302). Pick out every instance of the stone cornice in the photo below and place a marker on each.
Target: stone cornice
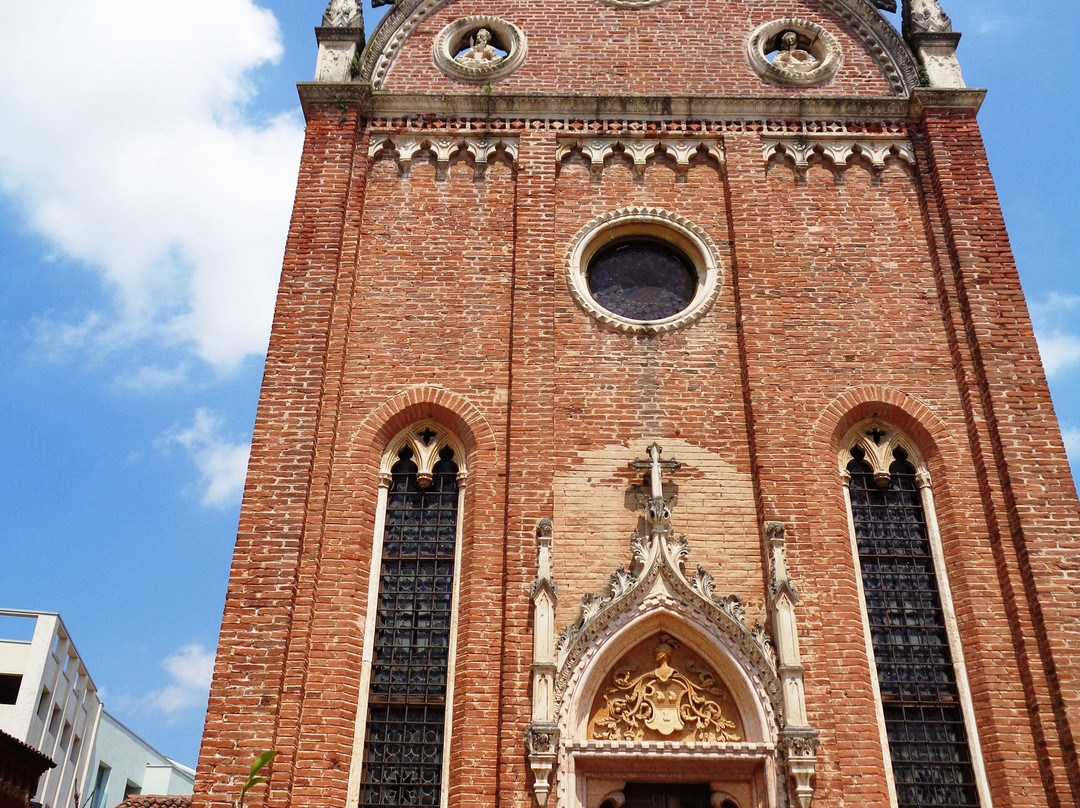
(328, 34)
(948, 99)
(619, 108)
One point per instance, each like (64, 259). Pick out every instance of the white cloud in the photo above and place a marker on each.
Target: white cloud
(1072, 445)
(191, 670)
(1054, 306)
(126, 145)
(153, 377)
(1053, 317)
(222, 465)
(1059, 351)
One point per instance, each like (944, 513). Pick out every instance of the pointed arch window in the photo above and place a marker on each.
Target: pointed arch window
(404, 719)
(923, 697)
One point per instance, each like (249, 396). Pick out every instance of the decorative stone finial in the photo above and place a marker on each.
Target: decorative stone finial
(925, 17)
(928, 30)
(343, 14)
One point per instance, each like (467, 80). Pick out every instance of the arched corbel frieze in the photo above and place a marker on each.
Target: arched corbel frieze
(641, 152)
(444, 148)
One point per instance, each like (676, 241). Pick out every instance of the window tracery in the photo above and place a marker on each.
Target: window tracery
(404, 720)
(924, 703)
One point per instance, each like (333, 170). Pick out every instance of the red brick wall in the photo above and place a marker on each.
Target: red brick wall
(678, 47)
(845, 294)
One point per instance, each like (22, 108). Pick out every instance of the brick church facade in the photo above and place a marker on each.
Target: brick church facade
(652, 417)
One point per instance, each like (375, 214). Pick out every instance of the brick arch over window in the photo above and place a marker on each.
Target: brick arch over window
(914, 417)
(446, 407)
(936, 444)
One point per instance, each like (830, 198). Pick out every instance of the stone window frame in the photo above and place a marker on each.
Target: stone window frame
(647, 223)
(880, 457)
(450, 38)
(824, 46)
(425, 457)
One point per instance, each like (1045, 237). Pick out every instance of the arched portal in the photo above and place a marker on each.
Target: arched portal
(660, 683)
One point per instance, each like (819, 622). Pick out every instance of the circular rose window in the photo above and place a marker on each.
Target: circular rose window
(643, 270)
(642, 280)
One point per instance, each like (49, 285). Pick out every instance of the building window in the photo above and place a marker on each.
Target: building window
(642, 279)
(409, 682)
(43, 703)
(643, 270)
(101, 786)
(929, 739)
(9, 688)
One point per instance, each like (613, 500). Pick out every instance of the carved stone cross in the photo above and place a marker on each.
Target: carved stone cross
(657, 509)
(656, 466)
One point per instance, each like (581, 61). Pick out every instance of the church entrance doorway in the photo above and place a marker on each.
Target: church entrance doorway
(667, 795)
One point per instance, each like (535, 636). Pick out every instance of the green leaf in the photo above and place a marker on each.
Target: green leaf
(254, 778)
(262, 760)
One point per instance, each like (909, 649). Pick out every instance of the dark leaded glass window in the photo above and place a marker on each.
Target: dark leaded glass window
(407, 702)
(642, 280)
(923, 718)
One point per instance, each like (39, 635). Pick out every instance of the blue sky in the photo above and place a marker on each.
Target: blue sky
(148, 158)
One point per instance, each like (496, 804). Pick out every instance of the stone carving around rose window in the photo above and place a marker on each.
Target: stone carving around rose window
(663, 227)
(479, 49)
(802, 53)
(675, 699)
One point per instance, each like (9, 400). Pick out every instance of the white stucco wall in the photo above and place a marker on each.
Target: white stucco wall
(57, 710)
(130, 759)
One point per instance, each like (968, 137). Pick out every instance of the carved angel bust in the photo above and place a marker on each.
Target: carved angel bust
(480, 53)
(342, 13)
(792, 57)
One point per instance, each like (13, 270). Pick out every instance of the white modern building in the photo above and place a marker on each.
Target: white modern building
(125, 764)
(49, 701)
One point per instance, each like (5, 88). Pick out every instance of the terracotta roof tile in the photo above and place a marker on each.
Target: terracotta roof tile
(14, 745)
(156, 801)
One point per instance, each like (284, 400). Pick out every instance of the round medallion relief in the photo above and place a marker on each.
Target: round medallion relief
(479, 49)
(794, 52)
(643, 271)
